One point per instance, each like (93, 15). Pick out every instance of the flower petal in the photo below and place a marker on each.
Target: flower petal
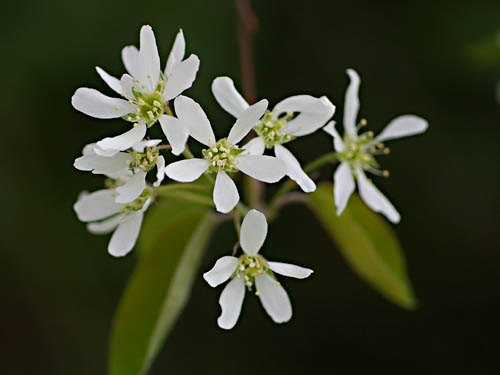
(130, 57)
(125, 235)
(160, 171)
(182, 77)
(225, 193)
(101, 164)
(246, 121)
(221, 271)
(403, 126)
(314, 112)
(105, 226)
(148, 59)
(140, 146)
(128, 83)
(338, 143)
(121, 142)
(95, 104)
(112, 82)
(228, 97)
(231, 300)
(191, 113)
(375, 199)
(351, 106)
(176, 132)
(186, 170)
(255, 146)
(253, 232)
(131, 190)
(290, 270)
(343, 186)
(176, 54)
(262, 167)
(294, 170)
(274, 298)
(97, 205)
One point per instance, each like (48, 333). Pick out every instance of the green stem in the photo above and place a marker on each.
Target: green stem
(188, 196)
(315, 164)
(164, 190)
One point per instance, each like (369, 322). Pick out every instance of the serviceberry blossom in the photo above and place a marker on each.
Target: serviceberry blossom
(279, 126)
(223, 156)
(356, 153)
(135, 163)
(146, 91)
(249, 269)
(105, 215)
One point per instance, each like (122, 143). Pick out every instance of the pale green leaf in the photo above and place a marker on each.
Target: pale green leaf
(368, 243)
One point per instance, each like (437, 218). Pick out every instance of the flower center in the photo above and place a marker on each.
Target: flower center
(150, 106)
(139, 202)
(222, 156)
(250, 266)
(269, 129)
(361, 152)
(144, 160)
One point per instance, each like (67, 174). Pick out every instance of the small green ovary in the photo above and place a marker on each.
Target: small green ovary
(269, 129)
(138, 203)
(249, 267)
(150, 106)
(359, 153)
(144, 160)
(222, 156)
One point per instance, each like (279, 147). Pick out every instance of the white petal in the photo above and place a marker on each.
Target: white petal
(93, 103)
(149, 59)
(228, 97)
(314, 112)
(97, 205)
(290, 270)
(186, 170)
(125, 236)
(131, 190)
(246, 121)
(231, 300)
(112, 82)
(182, 77)
(191, 114)
(294, 170)
(351, 106)
(255, 146)
(127, 83)
(343, 186)
(253, 232)
(124, 141)
(274, 298)
(375, 199)
(262, 167)
(105, 226)
(176, 132)
(338, 143)
(101, 164)
(403, 126)
(176, 54)
(140, 146)
(222, 271)
(160, 171)
(225, 193)
(130, 57)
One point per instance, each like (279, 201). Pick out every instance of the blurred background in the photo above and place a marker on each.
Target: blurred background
(439, 59)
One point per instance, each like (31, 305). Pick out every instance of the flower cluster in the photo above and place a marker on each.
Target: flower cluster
(150, 95)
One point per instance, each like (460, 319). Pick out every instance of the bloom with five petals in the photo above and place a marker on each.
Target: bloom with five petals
(249, 269)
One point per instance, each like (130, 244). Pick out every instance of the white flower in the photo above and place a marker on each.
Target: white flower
(146, 90)
(134, 164)
(104, 215)
(356, 153)
(224, 156)
(252, 268)
(279, 126)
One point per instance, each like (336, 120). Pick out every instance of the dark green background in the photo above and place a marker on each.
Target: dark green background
(59, 287)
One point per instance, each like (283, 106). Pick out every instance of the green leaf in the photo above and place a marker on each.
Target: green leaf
(368, 243)
(174, 237)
